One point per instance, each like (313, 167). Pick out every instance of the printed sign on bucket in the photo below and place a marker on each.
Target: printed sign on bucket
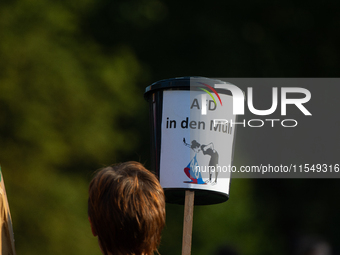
(195, 151)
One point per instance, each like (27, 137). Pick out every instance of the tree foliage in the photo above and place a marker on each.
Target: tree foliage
(64, 104)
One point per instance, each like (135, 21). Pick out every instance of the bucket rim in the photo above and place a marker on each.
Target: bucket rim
(178, 82)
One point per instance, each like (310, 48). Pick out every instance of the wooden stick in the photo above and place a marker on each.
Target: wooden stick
(187, 222)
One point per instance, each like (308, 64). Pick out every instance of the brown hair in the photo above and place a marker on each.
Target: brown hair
(126, 207)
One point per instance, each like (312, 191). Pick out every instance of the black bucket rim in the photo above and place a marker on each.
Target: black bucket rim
(173, 83)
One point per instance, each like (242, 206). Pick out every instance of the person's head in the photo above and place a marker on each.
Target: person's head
(195, 145)
(126, 209)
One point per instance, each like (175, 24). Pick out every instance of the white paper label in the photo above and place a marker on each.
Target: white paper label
(196, 146)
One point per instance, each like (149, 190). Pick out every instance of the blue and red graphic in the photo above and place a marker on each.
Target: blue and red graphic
(192, 172)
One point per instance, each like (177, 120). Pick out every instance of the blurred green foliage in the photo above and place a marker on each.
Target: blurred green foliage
(72, 75)
(64, 107)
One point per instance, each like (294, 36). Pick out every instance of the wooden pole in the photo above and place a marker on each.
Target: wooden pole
(6, 229)
(187, 222)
